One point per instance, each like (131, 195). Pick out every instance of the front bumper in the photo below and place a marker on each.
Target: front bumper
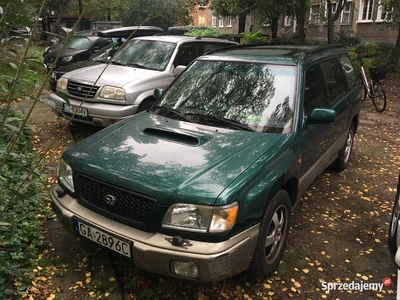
(99, 114)
(152, 252)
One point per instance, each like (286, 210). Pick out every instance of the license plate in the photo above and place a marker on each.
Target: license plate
(78, 111)
(103, 238)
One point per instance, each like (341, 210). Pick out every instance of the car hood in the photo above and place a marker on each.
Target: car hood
(65, 52)
(113, 75)
(167, 159)
(76, 65)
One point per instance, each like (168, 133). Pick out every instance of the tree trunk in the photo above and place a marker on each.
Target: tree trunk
(274, 28)
(397, 45)
(301, 21)
(242, 23)
(331, 34)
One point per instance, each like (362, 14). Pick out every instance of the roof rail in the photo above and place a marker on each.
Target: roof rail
(237, 46)
(318, 49)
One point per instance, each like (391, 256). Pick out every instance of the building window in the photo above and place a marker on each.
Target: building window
(221, 23)
(202, 21)
(315, 13)
(287, 21)
(346, 12)
(381, 15)
(214, 21)
(366, 7)
(229, 22)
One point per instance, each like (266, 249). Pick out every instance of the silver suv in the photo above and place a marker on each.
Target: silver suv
(101, 95)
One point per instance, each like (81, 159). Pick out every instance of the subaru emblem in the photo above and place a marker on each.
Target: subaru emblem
(110, 199)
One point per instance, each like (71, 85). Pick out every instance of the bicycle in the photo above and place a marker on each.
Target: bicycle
(374, 88)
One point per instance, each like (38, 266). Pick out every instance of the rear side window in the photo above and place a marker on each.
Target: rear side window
(348, 70)
(334, 81)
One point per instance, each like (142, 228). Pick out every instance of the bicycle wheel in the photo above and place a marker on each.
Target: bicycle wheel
(379, 99)
(363, 88)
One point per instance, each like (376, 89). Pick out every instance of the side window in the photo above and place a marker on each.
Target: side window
(186, 53)
(334, 81)
(348, 70)
(101, 43)
(314, 89)
(210, 46)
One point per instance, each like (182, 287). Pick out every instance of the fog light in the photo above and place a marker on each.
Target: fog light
(185, 269)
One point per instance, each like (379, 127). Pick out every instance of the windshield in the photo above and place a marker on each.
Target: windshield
(255, 95)
(153, 55)
(79, 43)
(105, 53)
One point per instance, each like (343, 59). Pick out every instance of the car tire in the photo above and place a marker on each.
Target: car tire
(343, 159)
(392, 238)
(274, 230)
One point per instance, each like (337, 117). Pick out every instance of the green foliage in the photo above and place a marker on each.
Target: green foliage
(345, 40)
(22, 199)
(21, 236)
(373, 54)
(208, 32)
(163, 13)
(254, 38)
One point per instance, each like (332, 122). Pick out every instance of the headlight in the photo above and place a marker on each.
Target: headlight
(62, 83)
(67, 58)
(111, 92)
(65, 176)
(201, 218)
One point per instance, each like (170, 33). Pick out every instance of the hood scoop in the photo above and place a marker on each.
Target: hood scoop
(186, 137)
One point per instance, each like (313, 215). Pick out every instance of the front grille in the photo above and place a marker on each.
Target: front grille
(133, 208)
(81, 90)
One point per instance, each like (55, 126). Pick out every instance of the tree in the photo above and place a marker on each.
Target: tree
(163, 13)
(392, 17)
(301, 14)
(234, 8)
(331, 18)
(270, 11)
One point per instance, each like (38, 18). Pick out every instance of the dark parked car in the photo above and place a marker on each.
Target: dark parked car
(99, 57)
(82, 46)
(201, 185)
(78, 48)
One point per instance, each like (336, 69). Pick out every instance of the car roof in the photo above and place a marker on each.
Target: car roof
(183, 38)
(130, 31)
(278, 54)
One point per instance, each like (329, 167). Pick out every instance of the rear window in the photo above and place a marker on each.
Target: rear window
(348, 70)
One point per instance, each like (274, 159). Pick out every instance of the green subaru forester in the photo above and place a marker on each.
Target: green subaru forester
(202, 185)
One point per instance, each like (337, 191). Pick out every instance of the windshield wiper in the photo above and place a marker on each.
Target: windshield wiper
(157, 109)
(116, 63)
(134, 65)
(231, 123)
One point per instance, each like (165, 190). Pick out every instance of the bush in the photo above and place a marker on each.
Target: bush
(22, 208)
(254, 38)
(374, 54)
(345, 40)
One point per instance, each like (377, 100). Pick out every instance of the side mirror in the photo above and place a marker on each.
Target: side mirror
(321, 116)
(178, 70)
(158, 93)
